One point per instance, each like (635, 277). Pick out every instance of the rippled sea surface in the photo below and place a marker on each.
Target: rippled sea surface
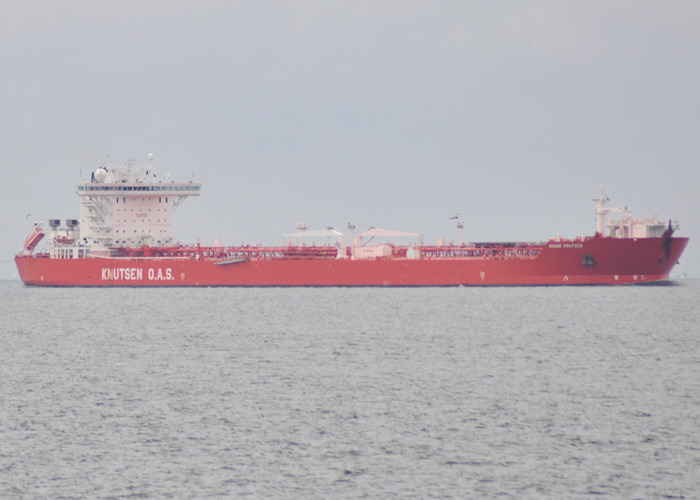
(350, 392)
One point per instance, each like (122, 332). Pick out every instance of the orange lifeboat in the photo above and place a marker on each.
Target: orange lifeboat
(34, 238)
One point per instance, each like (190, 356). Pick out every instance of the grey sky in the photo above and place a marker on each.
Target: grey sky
(395, 114)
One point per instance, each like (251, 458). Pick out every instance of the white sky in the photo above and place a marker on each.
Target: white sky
(393, 114)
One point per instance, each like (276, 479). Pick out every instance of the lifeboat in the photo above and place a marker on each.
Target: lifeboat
(34, 238)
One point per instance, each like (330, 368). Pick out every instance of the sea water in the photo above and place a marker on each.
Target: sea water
(350, 392)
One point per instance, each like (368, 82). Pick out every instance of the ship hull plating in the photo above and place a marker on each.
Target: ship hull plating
(592, 261)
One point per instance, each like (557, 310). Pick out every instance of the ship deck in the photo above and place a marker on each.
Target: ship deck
(328, 252)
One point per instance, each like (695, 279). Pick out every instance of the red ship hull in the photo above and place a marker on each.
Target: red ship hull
(591, 261)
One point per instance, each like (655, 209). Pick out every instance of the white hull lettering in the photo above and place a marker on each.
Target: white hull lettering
(122, 274)
(160, 274)
(136, 274)
(566, 245)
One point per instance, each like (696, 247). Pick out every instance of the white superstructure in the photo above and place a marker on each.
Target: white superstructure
(127, 206)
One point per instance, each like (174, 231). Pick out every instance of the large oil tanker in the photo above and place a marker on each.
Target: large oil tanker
(123, 237)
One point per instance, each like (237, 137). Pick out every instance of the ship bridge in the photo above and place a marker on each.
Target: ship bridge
(130, 206)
